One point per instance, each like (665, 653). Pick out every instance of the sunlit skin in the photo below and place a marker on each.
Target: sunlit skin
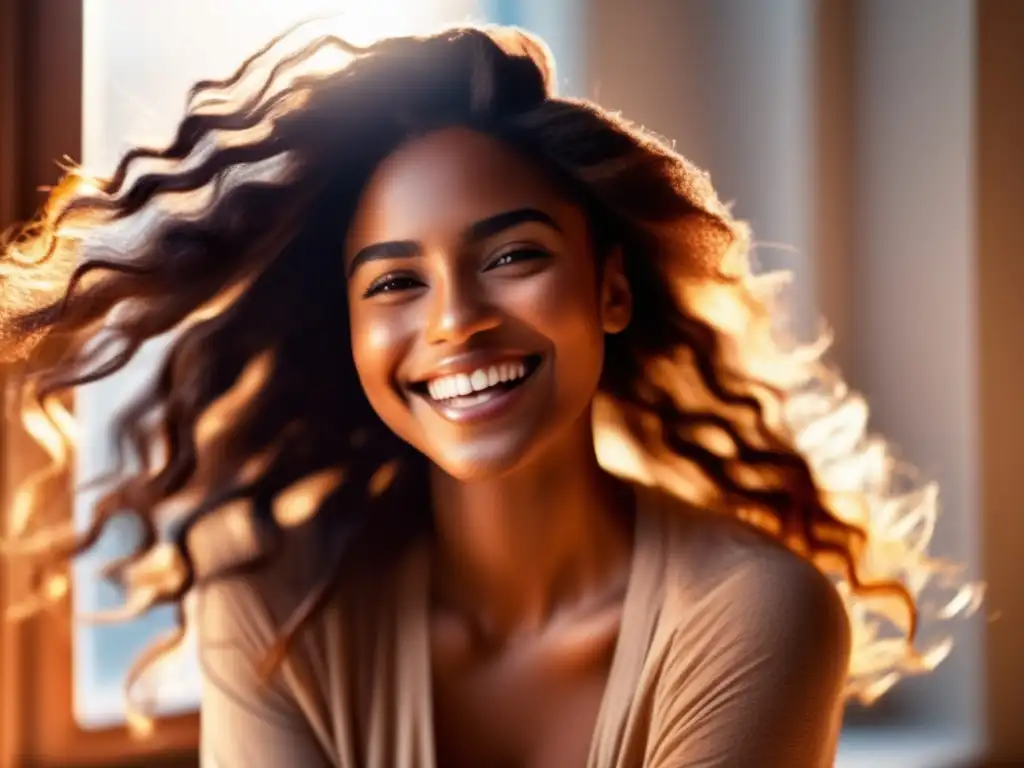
(461, 255)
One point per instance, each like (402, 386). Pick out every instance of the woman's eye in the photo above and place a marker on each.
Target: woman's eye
(391, 284)
(517, 255)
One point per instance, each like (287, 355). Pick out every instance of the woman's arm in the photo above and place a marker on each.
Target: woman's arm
(245, 722)
(759, 680)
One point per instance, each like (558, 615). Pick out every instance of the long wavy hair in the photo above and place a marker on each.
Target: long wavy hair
(227, 243)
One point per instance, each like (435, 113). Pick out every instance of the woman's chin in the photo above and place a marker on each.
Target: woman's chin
(481, 460)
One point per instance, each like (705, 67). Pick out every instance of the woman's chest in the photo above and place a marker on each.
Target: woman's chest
(536, 706)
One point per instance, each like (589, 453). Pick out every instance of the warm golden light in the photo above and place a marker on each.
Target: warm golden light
(828, 424)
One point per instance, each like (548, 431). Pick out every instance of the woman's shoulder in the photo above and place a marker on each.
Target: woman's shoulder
(247, 592)
(256, 603)
(750, 652)
(725, 578)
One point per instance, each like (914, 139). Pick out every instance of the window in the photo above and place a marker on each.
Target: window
(139, 61)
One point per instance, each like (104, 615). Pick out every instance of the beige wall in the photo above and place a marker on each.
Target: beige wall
(911, 282)
(741, 108)
(1000, 285)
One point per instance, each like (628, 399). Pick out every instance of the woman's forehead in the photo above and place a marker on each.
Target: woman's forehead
(444, 182)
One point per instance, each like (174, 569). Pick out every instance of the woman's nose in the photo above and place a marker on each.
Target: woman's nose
(459, 310)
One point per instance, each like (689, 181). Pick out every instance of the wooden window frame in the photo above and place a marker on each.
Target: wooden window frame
(40, 123)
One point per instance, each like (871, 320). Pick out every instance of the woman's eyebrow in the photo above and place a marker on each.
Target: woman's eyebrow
(480, 230)
(493, 225)
(396, 249)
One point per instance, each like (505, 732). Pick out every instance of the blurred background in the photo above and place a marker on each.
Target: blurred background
(874, 145)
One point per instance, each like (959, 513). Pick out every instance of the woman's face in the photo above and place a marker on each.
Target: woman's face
(477, 314)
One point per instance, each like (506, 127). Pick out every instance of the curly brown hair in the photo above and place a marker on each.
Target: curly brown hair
(227, 240)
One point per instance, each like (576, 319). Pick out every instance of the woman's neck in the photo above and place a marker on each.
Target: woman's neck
(514, 550)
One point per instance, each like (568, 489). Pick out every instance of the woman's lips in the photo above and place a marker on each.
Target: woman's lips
(489, 403)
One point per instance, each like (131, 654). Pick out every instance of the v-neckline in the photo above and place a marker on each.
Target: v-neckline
(639, 615)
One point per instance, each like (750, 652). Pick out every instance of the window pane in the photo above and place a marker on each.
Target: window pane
(140, 60)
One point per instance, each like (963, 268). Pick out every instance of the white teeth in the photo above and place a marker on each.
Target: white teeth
(461, 385)
(479, 380)
(511, 371)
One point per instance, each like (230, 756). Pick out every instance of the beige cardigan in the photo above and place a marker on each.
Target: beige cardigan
(732, 654)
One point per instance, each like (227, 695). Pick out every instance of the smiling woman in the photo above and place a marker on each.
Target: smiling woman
(481, 269)
(473, 442)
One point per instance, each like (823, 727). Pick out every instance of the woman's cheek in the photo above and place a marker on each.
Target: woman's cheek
(561, 304)
(380, 336)
(375, 345)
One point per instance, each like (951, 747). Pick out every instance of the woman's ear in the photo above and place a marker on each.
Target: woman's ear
(616, 295)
